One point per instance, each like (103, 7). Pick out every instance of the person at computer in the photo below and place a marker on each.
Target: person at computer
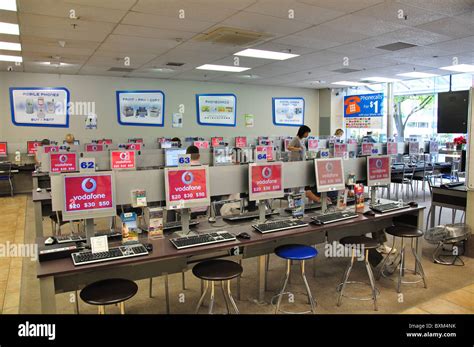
(296, 146)
(339, 133)
(177, 140)
(368, 138)
(195, 156)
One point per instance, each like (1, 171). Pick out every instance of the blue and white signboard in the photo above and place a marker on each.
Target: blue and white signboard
(364, 111)
(42, 107)
(141, 107)
(288, 111)
(216, 109)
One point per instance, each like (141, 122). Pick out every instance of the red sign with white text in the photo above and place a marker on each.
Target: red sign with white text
(92, 147)
(392, 148)
(3, 149)
(379, 168)
(48, 149)
(201, 144)
(413, 147)
(329, 172)
(367, 148)
(86, 193)
(62, 162)
(216, 141)
(32, 146)
(187, 184)
(339, 150)
(122, 159)
(266, 178)
(105, 142)
(135, 140)
(313, 144)
(241, 142)
(134, 146)
(265, 149)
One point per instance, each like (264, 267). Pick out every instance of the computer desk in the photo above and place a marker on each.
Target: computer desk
(454, 198)
(59, 276)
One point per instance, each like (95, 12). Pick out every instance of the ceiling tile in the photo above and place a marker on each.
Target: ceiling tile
(152, 33)
(112, 4)
(347, 6)
(448, 7)
(452, 27)
(168, 23)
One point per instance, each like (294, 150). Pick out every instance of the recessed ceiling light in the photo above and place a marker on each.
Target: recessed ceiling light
(459, 68)
(55, 63)
(10, 46)
(415, 74)
(262, 54)
(9, 28)
(248, 76)
(9, 5)
(380, 79)
(350, 83)
(11, 58)
(226, 68)
(162, 69)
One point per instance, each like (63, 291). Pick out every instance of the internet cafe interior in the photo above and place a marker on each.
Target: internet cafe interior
(253, 157)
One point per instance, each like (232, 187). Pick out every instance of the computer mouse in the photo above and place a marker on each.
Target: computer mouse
(49, 241)
(149, 247)
(245, 236)
(38, 190)
(413, 204)
(369, 213)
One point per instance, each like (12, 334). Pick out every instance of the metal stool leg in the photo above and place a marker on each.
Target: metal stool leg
(183, 279)
(371, 278)
(150, 289)
(402, 266)
(122, 307)
(238, 284)
(204, 292)
(211, 302)
(229, 294)
(225, 297)
(418, 266)
(346, 277)
(287, 276)
(77, 301)
(382, 267)
(308, 290)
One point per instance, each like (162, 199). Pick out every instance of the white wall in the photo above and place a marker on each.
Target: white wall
(101, 90)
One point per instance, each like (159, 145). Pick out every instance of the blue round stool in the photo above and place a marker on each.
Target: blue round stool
(300, 253)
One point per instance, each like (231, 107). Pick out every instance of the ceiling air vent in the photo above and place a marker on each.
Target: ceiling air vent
(121, 69)
(396, 46)
(172, 63)
(232, 36)
(345, 70)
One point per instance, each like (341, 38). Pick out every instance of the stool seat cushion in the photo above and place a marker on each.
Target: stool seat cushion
(109, 291)
(404, 231)
(367, 242)
(296, 252)
(217, 270)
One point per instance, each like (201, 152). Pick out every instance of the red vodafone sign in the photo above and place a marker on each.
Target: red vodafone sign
(240, 142)
(122, 159)
(49, 149)
(33, 146)
(94, 147)
(392, 148)
(3, 148)
(266, 178)
(88, 192)
(134, 146)
(379, 168)
(187, 184)
(329, 172)
(62, 162)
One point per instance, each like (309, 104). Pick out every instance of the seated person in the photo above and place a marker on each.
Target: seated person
(315, 197)
(177, 140)
(195, 156)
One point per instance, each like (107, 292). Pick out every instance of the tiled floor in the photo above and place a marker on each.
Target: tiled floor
(12, 229)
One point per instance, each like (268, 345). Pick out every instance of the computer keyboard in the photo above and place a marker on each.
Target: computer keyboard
(453, 184)
(334, 217)
(202, 239)
(82, 237)
(279, 225)
(114, 253)
(388, 207)
(309, 207)
(248, 215)
(178, 224)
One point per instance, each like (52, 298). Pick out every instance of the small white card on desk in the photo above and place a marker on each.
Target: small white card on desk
(99, 244)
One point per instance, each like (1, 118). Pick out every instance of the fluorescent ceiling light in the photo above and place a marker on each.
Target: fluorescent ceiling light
(380, 79)
(8, 28)
(10, 46)
(258, 53)
(350, 84)
(222, 68)
(11, 58)
(459, 68)
(415, 74)
(9, 5)
(162, 69)
(248, 76)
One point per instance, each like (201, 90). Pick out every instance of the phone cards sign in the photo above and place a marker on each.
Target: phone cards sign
(44, 107)
(216, 109)
(364, 111)
(288, 111)
(85, 193)
(141, 107)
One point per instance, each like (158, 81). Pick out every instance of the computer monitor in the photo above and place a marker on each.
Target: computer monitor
(3, 149)
(89, 195)
(31, 147)
(265, 181)
(329, 174)
(93, 147)
(172, 155)
(123, 160)
(62, 162)
(241, 142)
(379, 170)
(217, 141)
(187, 187)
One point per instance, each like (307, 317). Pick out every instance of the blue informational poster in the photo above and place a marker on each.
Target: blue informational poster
(288, 111)
(141, 107)
(364, 111)
(40, 107)
(216, 109)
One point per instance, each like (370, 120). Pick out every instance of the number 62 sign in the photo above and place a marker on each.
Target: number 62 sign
(87, 165)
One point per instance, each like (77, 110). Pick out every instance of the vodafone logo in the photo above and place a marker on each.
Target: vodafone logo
(89, 185)
(132, 146)
(94, 148)
(187, 177)
(63, 158)
(124, 156)
(378, 163)
(53, 149)
(35, 145)
(266, 172)
(329, 167)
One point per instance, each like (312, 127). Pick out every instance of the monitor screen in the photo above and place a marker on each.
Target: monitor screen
(201, 144)
(172, 155)
(166, 144)
(217, 141)
(379, 170)
(123, 160)
(3, 149)
(94, 147)
(31, 147)
(187, 187)
(241, 142)
(265, 181)
(453, 110)
(88, 195)
(62, 162)
(329, 174)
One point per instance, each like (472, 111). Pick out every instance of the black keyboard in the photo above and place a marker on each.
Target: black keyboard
(310, 207)
(115, 253)
(334, 217)
(391, 206)
(178, 224)
(279, 225)
(248, 215)
(82, 237)
(453, 184)
(202, 239)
